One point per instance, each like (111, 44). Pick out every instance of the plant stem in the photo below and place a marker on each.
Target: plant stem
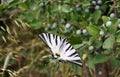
(115, 8)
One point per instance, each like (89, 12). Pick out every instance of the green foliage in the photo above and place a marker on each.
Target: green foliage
(93, 30)
(115, 63)
(95, 59)
(118, 37)
(96, 16)
(109, 42)
(77, 20)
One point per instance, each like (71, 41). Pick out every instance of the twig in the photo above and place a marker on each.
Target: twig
(82, 45)
(115, 8)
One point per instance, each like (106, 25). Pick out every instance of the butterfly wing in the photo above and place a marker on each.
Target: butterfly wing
(52, 41)
(66, 51)
(46, 39)
(69, 54)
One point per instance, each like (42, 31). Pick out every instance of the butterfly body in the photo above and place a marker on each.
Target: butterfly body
(60, 48)
(56, 55)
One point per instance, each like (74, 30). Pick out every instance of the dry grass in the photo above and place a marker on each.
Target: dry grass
(29, 58)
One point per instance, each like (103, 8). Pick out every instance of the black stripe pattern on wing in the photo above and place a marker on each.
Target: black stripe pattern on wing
(42, 37)
(56, 39)
(74, 53)
(62, 42)
(47, 35)
(69, 48)
(49, 38)
(77, 62)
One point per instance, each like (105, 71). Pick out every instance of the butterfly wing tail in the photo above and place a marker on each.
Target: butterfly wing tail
(77, 62)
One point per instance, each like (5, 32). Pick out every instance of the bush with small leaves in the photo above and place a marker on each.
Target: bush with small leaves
(94, 22)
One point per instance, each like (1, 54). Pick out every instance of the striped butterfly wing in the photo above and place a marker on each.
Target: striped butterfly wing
(52, 41)
(60, 45)
(69, 54)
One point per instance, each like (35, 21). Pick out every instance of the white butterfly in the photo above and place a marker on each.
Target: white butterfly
(61, 49)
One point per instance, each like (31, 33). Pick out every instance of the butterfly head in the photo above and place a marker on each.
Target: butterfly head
(56, 55)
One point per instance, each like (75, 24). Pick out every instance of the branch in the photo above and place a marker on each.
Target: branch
(115, 8)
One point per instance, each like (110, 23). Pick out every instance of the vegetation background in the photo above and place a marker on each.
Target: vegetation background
(91, 26)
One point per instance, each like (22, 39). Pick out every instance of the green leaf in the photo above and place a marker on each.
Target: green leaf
(112, 29)
(2, 7)
(91, 62)
(77, 69)
(91, 40)
(84, 23)
(75, 40)
(36, 24)
(105, 19)
(96, 16)
(86, 3)
(109, 42)
(93, 30)
(13, 3)
(118, 38)
(115, 62)
(76, 46)
(107, 52)
(98, 44)
(100, 58)
(65, 8)
(23, 6)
